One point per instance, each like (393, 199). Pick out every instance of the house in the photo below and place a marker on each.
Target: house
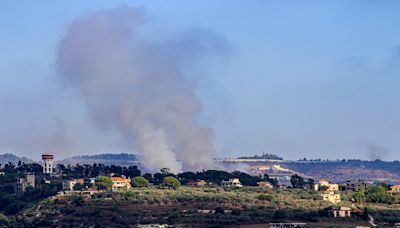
(121, 183)
(322, 183)
(70, 184)
(23, 183)
(283, 178)
(355, 185)
(88, 193)
(331, 196)
(343, 212)
(199, 183)
(287, 225)
(264, 184)
(394, 189)
(232, 183)
(85, 193)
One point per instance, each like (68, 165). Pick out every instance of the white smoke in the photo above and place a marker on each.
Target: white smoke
(136, 87)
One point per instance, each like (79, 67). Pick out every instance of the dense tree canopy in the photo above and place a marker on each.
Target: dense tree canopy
(140, 182)
(103, 182)
(171, 182)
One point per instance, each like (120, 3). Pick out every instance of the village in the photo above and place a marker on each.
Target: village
(338, 200)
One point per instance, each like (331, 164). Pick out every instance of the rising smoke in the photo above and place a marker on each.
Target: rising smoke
(136, 87)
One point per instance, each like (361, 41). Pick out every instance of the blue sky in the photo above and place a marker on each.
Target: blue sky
(316, 79)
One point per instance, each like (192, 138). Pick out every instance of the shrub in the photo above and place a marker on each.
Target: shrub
(103, 182)
(265, 197)
(171, 182)
(140, 182)
(4, 221)
(219, 210)
(280, 214)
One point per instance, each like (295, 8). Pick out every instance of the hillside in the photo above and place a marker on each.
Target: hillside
(337, 171)
(6, 158)
(185, 207)
(263, 156)
(122, 159)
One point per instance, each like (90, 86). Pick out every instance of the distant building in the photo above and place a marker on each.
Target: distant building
(287, 225)
(48, 160)
(355, 185)
(121, 183)
(235, 182)
(199, 183)
(283, 178)
(394, 189)
(69, 185)
(264, 184)
(23, 183)
(331, 196)
(343, 212)
(327, 185)
(85, 193)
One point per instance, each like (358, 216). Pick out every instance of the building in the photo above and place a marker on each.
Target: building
(235, 182)
(199, 183)
(85, 193)
(2, 174)
(355, 185)
(69, 185)
(48, 160)
(287, 225)
(331, 196)
(264, 184)
(322, 183)
(283, 178)
(394, 189)
(23, 183)
(121, 183)
(343, 212)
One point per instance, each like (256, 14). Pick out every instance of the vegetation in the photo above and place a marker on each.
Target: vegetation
(297, 181)
(171, 182)
(189, 206)
(263, 156)
(140, 182)
(265, 197)
(103, 183)
(160, 199)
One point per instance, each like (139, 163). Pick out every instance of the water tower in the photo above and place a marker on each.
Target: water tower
(48, 163)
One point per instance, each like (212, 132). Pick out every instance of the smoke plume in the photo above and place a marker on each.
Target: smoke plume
(377, 152)
(136, 87)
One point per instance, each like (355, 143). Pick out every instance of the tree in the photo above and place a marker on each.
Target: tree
(103, 182)
(171, 182)
(140, 182)
(148, 176)
(377, 194)
(297, 181)
(246, 179)
(359, 197)
(280, 214)
(133, 171)
(310, 183)
(4, 221)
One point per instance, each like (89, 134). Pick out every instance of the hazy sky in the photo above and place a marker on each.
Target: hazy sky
(316, 79)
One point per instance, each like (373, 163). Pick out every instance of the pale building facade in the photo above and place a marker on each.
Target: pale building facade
(69, 185)
(25, 182)
(331, 196)
(235, 182)
(48, 160)
(121, 183)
